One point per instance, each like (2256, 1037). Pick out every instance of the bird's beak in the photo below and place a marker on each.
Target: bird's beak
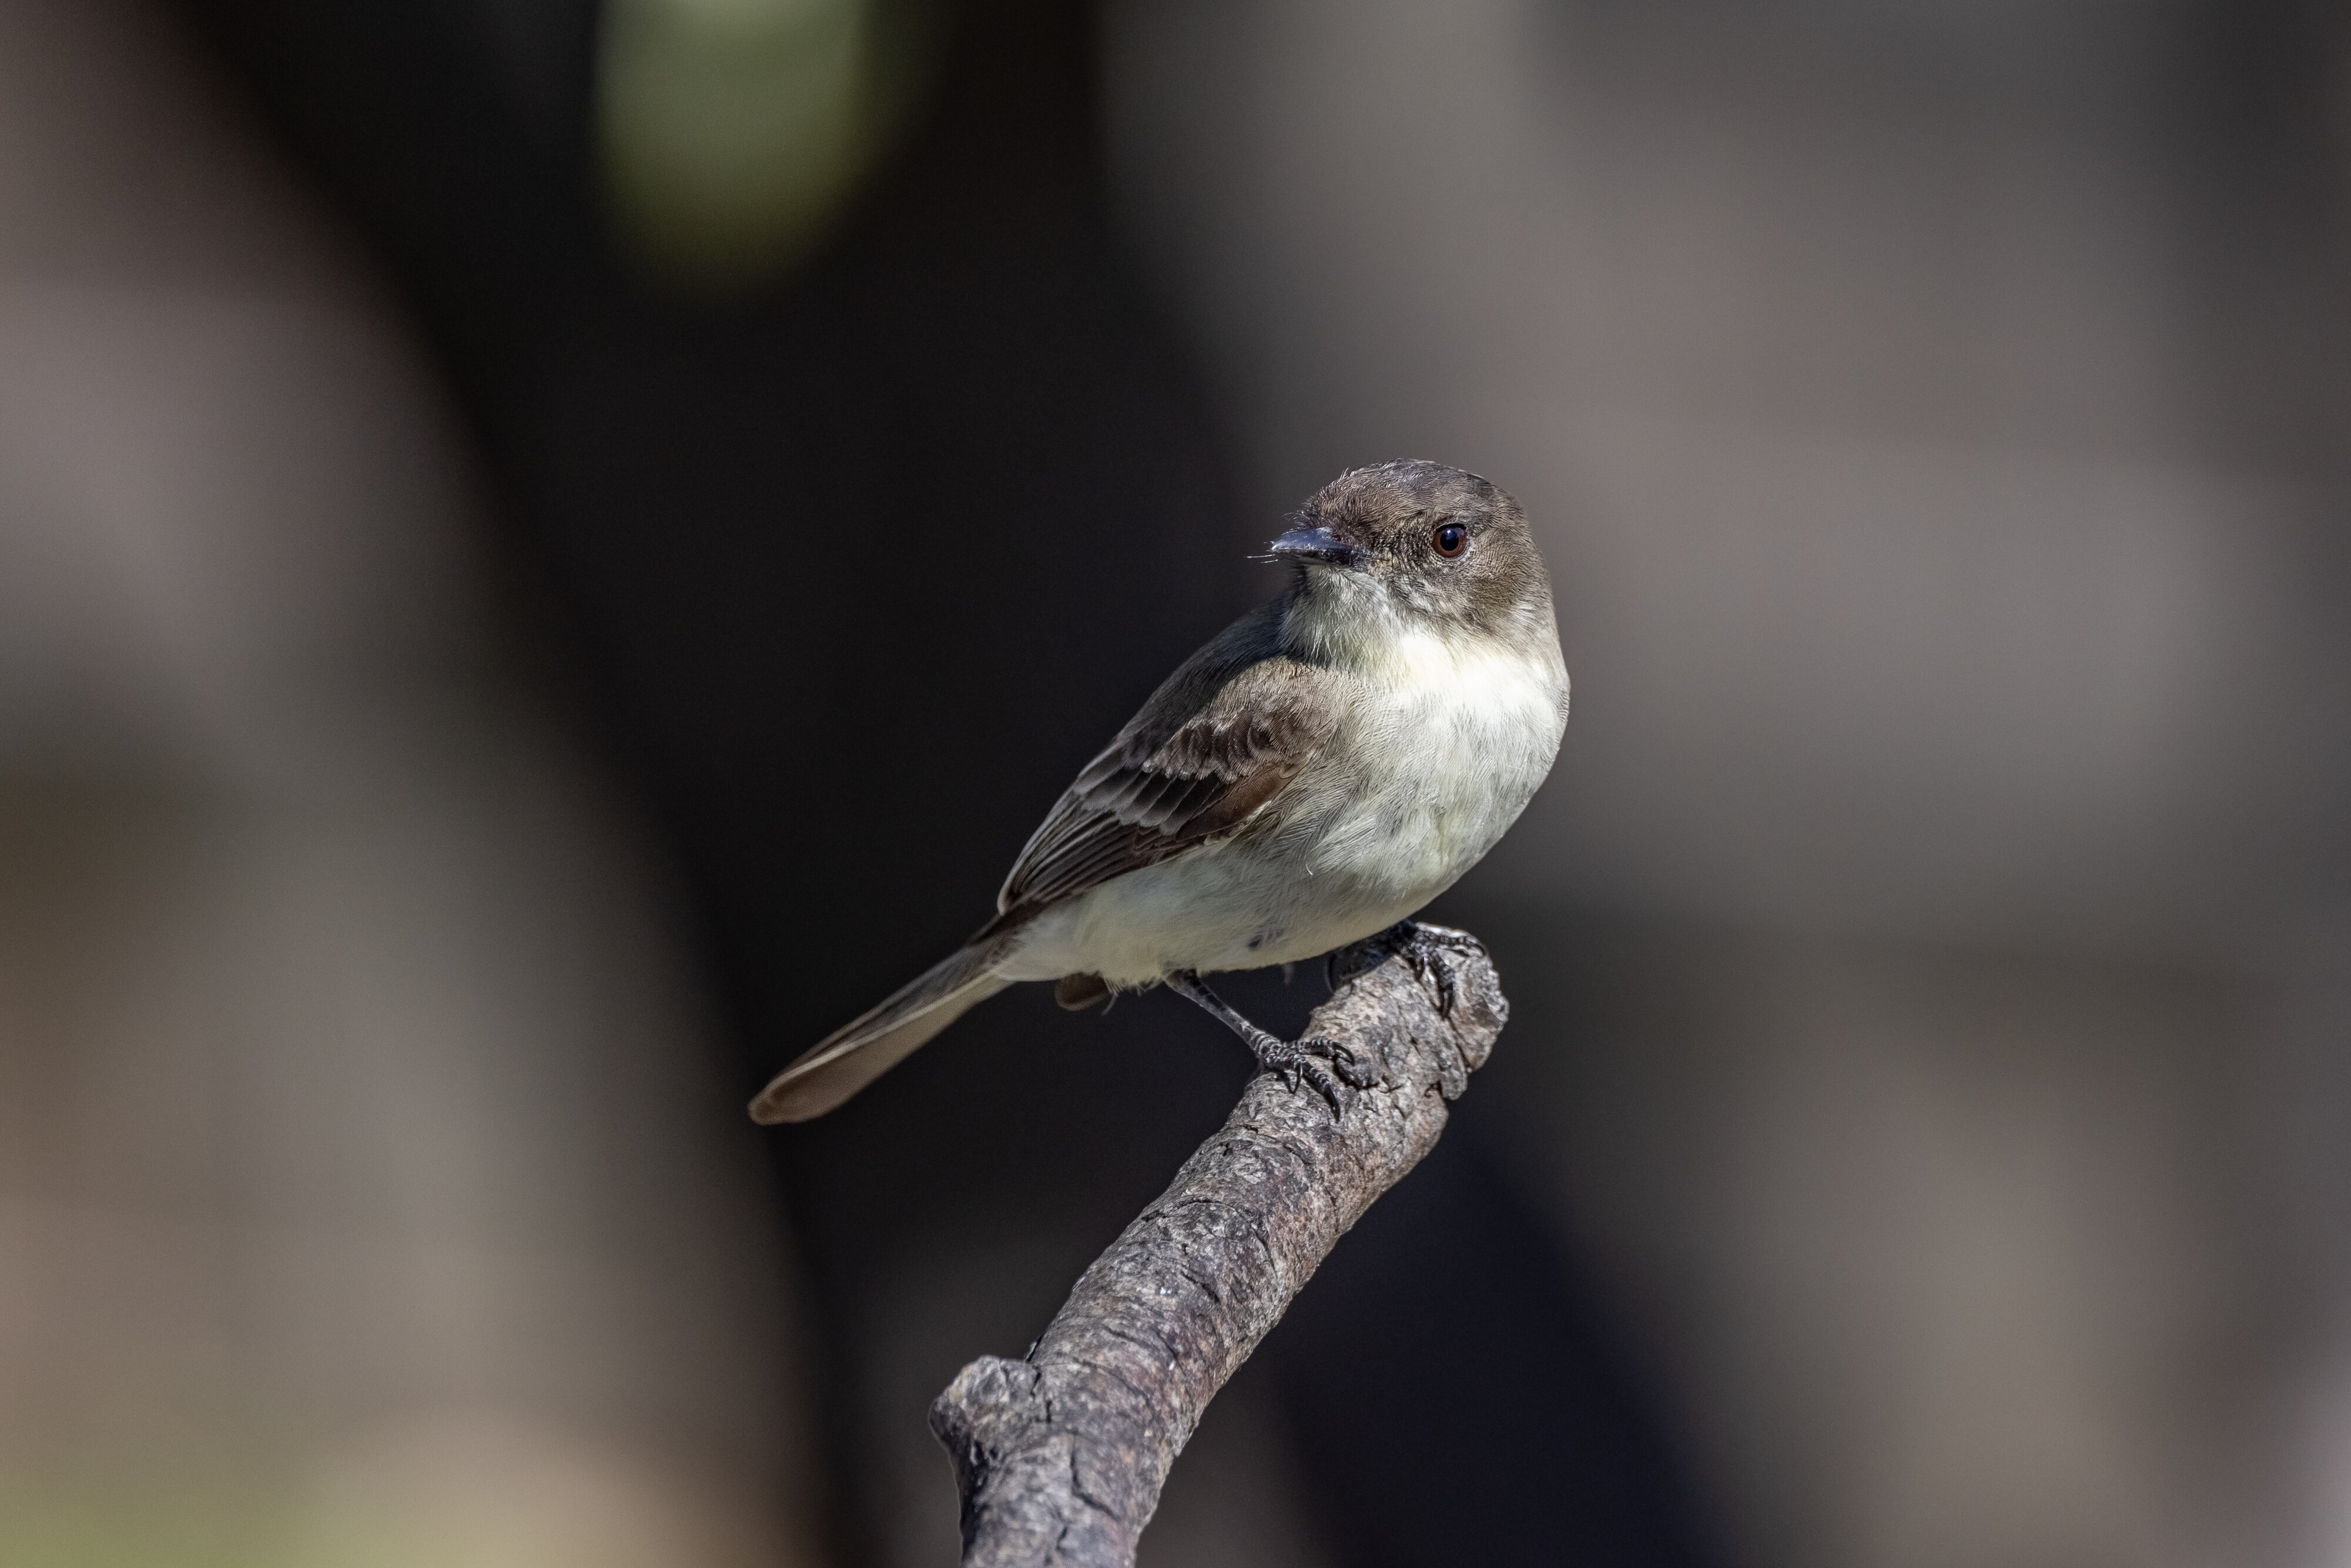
(1319, 544)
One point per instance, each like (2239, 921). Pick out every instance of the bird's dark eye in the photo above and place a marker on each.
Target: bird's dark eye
(1450, 540)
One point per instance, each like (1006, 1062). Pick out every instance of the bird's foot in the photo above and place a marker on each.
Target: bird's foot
(1300, 1060)
(1293, 1061)
(1430, 950)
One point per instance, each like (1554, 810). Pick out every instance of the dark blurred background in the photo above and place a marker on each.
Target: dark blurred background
(550, 551)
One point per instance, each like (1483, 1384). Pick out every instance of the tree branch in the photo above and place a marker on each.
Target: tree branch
(1060, 1455)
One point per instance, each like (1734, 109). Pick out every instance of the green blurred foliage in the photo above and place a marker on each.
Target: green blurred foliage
(732, 131)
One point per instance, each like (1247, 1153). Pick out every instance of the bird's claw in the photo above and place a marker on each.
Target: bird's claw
(1295, 1062)
(1430, 950)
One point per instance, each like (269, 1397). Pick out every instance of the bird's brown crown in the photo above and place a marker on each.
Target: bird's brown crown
(1444, 543)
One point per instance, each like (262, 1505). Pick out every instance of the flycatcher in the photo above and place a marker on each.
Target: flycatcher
(1323, 768)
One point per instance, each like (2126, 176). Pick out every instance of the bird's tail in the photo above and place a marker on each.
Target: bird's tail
(861, 1050)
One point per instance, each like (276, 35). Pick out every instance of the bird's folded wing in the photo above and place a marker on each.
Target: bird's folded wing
(1203, 757)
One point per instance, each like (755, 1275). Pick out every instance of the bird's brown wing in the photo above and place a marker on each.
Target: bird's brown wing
(1211, 749)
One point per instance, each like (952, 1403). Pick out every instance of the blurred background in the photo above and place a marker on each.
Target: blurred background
(551, 551)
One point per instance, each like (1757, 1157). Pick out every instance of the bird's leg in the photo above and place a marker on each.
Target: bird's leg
(1429, 949)
(1291, 1060)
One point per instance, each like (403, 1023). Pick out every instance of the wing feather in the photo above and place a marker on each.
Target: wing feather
(1213, 748)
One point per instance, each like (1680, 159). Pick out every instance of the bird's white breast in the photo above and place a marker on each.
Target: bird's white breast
(1456, 733)
(1443, 738)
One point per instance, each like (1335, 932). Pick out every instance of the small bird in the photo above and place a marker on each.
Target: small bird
(1320, 770)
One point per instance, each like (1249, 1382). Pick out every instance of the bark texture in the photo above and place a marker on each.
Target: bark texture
(1060, 1455)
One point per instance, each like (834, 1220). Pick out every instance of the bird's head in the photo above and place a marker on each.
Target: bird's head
(1418, 543)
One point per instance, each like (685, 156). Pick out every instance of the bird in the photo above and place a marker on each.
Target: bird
(1314, 775)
